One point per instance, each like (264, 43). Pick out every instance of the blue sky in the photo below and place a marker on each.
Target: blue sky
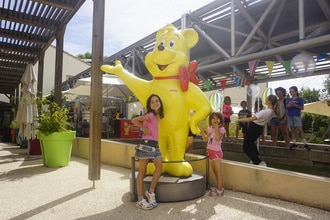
(127, 21)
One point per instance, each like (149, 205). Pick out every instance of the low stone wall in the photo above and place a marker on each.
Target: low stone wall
(275, 156)
(317, 157)
(262, 181)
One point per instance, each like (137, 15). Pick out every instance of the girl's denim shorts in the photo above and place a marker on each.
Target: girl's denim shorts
(147, 149)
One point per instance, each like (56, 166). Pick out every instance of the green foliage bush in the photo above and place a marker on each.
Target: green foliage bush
(52, 118)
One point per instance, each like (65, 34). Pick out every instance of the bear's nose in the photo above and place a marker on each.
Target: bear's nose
(161, 47)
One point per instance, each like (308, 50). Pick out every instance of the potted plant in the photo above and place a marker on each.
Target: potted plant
(14, 126)
(54, 134)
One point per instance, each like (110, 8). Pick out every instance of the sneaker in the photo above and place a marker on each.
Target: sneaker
(306, 147)
(262, 163)
(216, 192)
(143, 204)
(293, 146)
(151, 198)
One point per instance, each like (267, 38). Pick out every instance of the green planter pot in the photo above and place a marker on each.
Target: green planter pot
(56, 148)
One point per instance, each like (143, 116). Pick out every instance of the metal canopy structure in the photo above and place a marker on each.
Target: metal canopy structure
(27, 28)
(234, 32)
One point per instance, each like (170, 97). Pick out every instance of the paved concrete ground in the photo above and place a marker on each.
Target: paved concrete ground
(28, 190)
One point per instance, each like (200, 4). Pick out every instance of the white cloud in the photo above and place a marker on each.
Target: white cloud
(126, 22)
(312, 82)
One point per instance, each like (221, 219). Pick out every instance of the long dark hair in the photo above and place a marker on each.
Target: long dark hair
(216, 115)
(282, 90)
(295, 89)
(161, 109)
(258, 106)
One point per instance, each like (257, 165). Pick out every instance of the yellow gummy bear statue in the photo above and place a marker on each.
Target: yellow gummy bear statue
(172, 72)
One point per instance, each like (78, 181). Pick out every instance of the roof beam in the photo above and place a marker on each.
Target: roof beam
(267, 53)
(17, 57)
(16, 65)
(34, 38)
(65, 4)
(19, 48)
(23, 18)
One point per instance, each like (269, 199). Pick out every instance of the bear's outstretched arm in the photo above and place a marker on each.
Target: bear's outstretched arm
(137, 85)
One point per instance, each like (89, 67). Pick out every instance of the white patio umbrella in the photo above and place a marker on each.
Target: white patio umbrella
(27, 108)
(320, 108)
(112, 86)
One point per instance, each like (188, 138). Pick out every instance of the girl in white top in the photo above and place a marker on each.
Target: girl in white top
(256, 125)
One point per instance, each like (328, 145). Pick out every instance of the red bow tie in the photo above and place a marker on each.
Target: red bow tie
(184, 75)
(188, 75)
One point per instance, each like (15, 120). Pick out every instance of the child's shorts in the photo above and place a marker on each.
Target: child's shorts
(294, 121)
(147, 149)
(226, 120)
(215, 154)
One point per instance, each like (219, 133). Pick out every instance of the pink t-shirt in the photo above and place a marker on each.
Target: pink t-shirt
(152, 125)
(227, 111)
(213, 144)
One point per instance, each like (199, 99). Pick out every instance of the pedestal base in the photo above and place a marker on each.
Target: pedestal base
(173, 189)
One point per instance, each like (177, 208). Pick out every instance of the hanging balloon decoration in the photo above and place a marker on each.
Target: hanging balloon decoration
(266, 93)
(216, 101)
(253, 90)
(302, 65)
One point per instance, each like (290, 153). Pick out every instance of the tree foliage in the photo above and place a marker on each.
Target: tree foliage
(87, 55)
(314, 125)
(309, 95)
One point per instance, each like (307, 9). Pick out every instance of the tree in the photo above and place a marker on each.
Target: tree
(314, 125)
(87, 55)
(309, 95)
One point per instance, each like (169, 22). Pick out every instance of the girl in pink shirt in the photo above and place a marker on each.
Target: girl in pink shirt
(148, 149)
(227, 111)
(213, 136)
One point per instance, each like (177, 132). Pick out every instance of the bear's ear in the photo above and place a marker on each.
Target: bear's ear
(167, 28)
(191, 37)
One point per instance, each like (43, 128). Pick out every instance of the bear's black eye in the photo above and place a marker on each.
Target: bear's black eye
(172, 43)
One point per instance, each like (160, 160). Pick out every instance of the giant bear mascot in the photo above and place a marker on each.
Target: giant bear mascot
(172, 73)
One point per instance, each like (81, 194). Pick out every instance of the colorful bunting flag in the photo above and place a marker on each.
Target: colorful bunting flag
(287, 66)
(270, 65)
(322, 56)
(233, 73)
(252, 66)
(207, 85)
(223, 84)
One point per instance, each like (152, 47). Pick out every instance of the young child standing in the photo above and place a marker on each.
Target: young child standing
(294, 106)
(213, 136)
(256, 127)
(243, 113)
(227, 111)
(280, 123)
(148, 149)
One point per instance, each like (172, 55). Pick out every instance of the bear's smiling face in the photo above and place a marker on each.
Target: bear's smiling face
(170, 52)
